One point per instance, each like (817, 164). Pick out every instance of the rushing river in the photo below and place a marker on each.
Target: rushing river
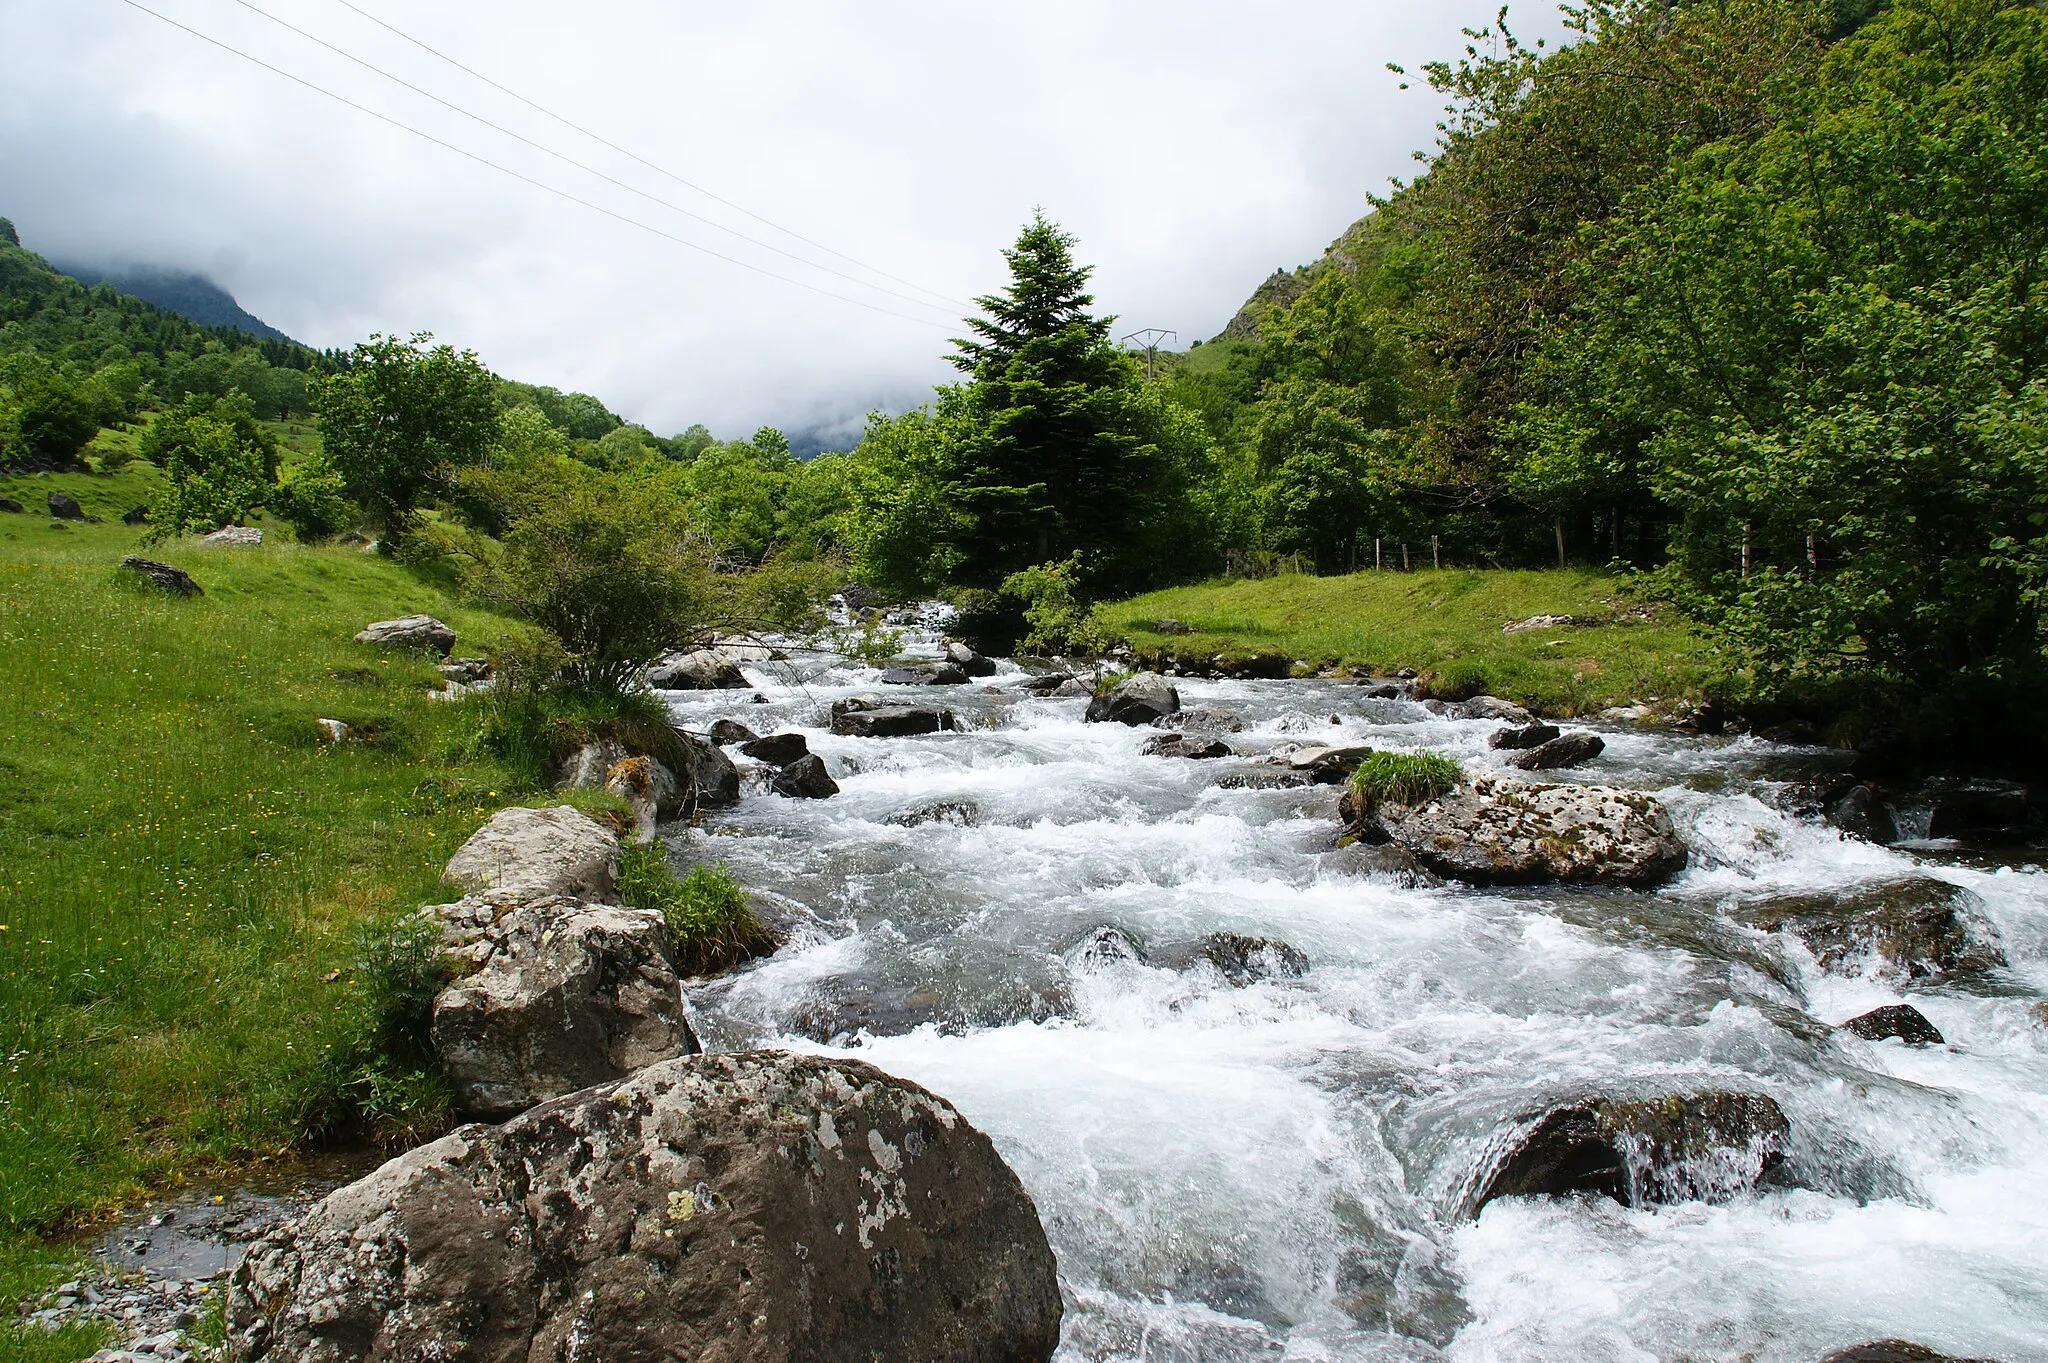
(1273, 1171)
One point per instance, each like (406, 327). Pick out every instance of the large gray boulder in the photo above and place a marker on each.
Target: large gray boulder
(1143, 699)
(568, 995)
(855, 717)
(410, 631)
(759, 1206)
(1566, 750)
(709, 776)
(595, 766)
(538, 851)
(703, 669)
(1915, 929)
(1498, 831)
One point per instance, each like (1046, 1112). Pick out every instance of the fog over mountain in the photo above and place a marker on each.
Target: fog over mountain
(1191, 148)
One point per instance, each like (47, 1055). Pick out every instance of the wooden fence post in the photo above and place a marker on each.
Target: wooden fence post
(1436, 555)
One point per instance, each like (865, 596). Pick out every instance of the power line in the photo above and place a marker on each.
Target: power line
(572, 161)
(949, 300)
(527, 179)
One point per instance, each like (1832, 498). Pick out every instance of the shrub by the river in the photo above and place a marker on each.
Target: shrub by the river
(714, 925)
(1403, 778)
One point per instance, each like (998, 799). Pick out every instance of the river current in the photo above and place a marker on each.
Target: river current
(1274, 1170)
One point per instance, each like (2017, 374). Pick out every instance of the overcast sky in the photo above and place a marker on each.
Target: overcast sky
(1192, 148)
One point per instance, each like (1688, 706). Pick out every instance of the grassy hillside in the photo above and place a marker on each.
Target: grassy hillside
(187, 866)
(1445, 624)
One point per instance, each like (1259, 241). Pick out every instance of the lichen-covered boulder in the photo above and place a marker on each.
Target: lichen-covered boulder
(1143, 699)
(542, 851)
(410, 631)
(758, 1206)
(1678, 1148)
(1498, 831)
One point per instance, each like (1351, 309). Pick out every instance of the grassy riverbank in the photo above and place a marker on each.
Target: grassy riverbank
(187, 866)
(1446, 625)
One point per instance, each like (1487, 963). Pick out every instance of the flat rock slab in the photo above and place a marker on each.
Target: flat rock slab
(1498, 831)
(757, 1206)
(543, 851)
(410, 631)
(245, 535)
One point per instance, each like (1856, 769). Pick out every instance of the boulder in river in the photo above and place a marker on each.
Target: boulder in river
(806, 779)
(1326, 765)
(967, 660)
(757, 1206)
(777, 750)
(1141, 699)
(1567, 750)
(729, 731)
(162, 575)
(858, 718)
(1498, 831)
(1901, 1020)
(1984, 812)
(1487, 707)
(709, 776)
(924, 674)
(1522, 738)
(1919, 928)
(1861, 814)
(1180, 745)
(410, 631)
(557, 850)
(1203, 720)
(570, 995)
(699, 669)
(1240, 959)
(1679, 1148)
(1894, 1351)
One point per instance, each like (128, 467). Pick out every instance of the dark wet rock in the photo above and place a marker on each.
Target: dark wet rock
(1203, 720)
(1913, 929)
(1487, 707)
(726, 732)
(778, 750)
(805, 779)
(1523, 738)
(1861, 814)
(968, 661)
(1901, 1020)
(1246, 667)
(65, 508)
(957, 813)
(423, 632)
(1793, 733)
(1640, 1152)
(1376, 689)
(12, 507)
(1105, 946)
(1180, 745)
(846, 1006)
(1982, 811)
(1569, 750)
(759, 1206)
(1241, 960)
(1142, 699)
(465, 671)
(1497, 831)
(709, 777)
(135, 515)
(1884, 752)
(1265, 779)
(1045, 683)
(925, 674)
(1171, 626)
(856, 718)
(557, 850)
(700, 669)
(1390, 859)
(1894, 1351)
(568, 995)
(162, 575)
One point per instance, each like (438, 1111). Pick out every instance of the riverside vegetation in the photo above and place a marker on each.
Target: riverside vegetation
(1762, 336)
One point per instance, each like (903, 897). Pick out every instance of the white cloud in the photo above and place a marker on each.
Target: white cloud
(1192, 147)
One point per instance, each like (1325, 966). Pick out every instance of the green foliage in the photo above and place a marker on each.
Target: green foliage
(311, 498)
(388, 1083)
(47, 414)
(872, 643)
(715, 927)
(1403, 778)
(221, 463)
(1054, 610)
(401, 418)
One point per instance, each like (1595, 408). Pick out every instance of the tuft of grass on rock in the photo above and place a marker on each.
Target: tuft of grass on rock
(1399, 778)
(707, 910)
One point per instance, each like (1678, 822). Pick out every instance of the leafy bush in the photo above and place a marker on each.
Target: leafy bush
(1057, 614)
(873, 643)
(1403, 778)
(310, 498)
(714, 925)
(221, 462)
(389, 1081)
(401, 418)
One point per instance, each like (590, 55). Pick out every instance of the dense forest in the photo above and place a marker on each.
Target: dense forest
(1745, 296)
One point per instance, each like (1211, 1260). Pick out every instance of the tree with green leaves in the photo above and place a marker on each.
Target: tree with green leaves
(221, 463)
(401, 418)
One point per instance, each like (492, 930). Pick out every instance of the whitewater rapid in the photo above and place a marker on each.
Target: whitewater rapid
(1274, 1171)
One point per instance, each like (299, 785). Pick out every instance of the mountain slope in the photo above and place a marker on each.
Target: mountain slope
(192, 296)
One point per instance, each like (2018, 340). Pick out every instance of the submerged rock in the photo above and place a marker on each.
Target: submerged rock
(1522, 738)
(805, 779)
(410, 631)
(759, 1206)
(1894, 1351)
(777, 750)
(1497, 831)
(569, 995)
(1682, 1148)
(700, 669)
(958, 813)
(728, 731)
(162, 575)
(1901, 1020)
(1203, 720)
(857, 718)
(841, 1008)
(1241, 960)
(1180, 745)
(1568, 750)
(540, 851)
(1911, 929)
(1142, 699)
